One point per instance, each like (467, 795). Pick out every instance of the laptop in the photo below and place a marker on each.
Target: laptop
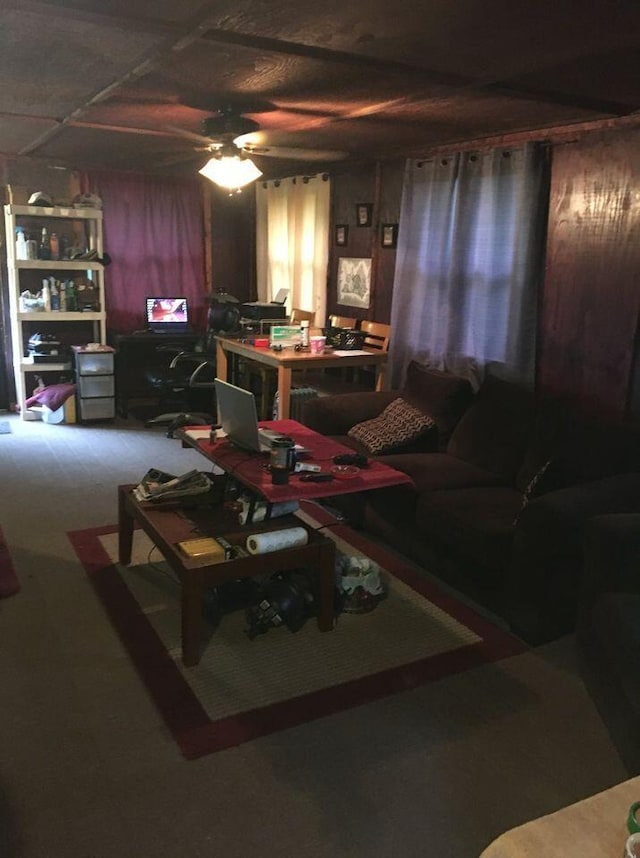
(238, 418)
(167, 315)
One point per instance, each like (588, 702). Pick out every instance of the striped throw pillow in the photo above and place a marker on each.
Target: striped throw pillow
(399, 424)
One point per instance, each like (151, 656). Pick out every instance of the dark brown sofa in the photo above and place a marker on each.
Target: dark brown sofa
(502, 491)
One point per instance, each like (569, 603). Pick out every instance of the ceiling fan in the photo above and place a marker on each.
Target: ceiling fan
(231, 135)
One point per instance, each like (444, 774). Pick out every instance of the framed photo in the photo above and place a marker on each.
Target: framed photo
(354, 282)
(342, 234)
(364, 212)
(389, 235)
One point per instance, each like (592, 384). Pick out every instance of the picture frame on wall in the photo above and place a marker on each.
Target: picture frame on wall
(342, 234)
(389, 235)
(364, 213)
(354, 282)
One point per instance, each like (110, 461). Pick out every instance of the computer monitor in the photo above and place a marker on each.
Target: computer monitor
(167, 315)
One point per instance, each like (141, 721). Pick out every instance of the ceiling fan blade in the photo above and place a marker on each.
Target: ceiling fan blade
(296, 154)
(190, 135)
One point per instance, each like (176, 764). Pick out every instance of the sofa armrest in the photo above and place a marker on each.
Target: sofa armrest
(555, 521)
(335, 415)
(611, 555)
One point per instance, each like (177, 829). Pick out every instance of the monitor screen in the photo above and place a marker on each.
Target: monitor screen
(167, 314)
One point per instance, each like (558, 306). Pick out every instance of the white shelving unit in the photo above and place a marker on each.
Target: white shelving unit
(86, 226)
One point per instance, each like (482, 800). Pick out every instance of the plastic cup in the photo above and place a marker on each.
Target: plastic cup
(632, 847)
(317, 345)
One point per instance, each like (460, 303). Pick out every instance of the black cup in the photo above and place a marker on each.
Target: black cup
(279, 475)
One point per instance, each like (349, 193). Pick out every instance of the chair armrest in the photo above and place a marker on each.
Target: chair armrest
(194, 357)
(200, 378)
(335, 415)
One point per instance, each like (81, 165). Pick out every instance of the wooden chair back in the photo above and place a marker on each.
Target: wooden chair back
(377, 335)
(298, 315)
(342, 321)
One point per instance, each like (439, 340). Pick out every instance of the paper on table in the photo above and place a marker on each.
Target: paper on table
(349, 352)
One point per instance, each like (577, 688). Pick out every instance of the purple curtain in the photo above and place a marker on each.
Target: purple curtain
(154, 234)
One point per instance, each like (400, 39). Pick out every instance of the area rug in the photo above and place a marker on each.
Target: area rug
(9, 584)
(243, 688)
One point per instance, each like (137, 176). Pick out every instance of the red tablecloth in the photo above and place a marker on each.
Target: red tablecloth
(252, 468)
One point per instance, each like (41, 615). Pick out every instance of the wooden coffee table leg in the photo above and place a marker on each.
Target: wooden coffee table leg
(192, 593)
(326, 568)
(125, 527)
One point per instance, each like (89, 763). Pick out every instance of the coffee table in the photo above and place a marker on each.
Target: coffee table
(250, 469)
(168, 525)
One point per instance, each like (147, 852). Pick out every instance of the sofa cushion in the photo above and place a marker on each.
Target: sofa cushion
(335, 415)
(399, 424)
(435, 471)
(443, 396)
(476, 522)
(494, 432)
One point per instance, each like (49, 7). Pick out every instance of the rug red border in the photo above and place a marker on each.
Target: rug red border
(189, 724)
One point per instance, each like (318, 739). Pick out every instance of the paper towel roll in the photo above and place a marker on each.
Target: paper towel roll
(277, 540)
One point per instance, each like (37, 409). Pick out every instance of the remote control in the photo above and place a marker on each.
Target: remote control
(356, 459)
(303, 466)
(316, 478)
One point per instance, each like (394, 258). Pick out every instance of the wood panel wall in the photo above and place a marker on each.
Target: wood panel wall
(381, 187)
(233, 244)
(591, 294)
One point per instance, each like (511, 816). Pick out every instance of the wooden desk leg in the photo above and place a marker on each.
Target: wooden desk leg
(284, 392)
(326, 568)
(125, 528)
(381, 373)
(192, 593)
(221, 362)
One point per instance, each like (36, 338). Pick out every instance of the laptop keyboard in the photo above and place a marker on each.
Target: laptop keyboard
(267, 436)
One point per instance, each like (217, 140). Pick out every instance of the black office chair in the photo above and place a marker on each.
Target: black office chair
(186, 386)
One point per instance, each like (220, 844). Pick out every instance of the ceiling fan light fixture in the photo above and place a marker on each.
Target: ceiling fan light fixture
(232, 172)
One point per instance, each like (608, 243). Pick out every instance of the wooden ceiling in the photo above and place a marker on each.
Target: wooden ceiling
(112, 84)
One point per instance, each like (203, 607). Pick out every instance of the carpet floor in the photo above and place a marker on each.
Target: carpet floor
(9, 583)
(246, 688)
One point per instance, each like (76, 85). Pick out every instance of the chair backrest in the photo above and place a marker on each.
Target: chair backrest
(377, 335)
(342, 321)
(298, 315)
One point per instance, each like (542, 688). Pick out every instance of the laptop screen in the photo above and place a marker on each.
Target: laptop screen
(167, 315)
(237, 415)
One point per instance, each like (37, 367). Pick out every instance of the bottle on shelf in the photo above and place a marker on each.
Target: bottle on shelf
(44, 250)
(21, 244)
(55, 295)
(54, 246)
(46, 296)
(32, 248)
(63, 298)
(70, 291)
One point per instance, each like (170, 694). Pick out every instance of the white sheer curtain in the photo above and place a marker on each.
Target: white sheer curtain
(292, 241)
(469, 262)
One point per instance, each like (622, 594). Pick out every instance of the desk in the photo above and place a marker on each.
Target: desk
(593, 828)
(288, 360)
(166, 526)
(137, 353)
